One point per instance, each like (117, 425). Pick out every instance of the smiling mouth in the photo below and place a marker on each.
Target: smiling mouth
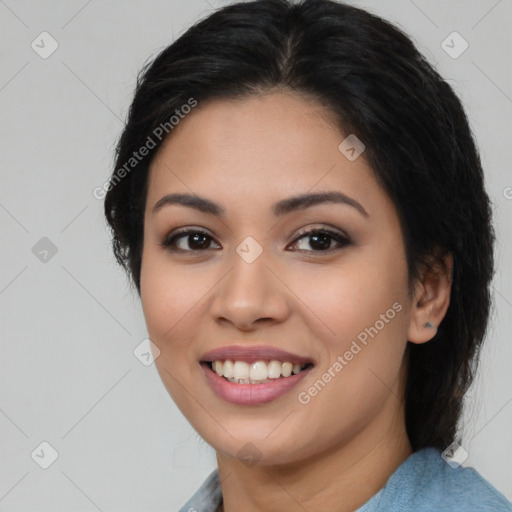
(257, 372)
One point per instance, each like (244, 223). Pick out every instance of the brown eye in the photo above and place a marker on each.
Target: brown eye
(188, 241)
(320, 240)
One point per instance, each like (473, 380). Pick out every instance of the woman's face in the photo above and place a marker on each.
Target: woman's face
(255, 279)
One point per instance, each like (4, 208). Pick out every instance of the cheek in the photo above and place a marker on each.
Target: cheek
(163, 308)
(168, 296)
(361, 323)
(169, 301)
(349, 298)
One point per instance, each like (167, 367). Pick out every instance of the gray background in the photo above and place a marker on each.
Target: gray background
(68, 375)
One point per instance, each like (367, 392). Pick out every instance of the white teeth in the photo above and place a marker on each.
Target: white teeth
(286, 369)
(217, 367)
(274, 370)
(258, 371)
(255, 373)
(296, 368)
(227, 369)
(241, 370)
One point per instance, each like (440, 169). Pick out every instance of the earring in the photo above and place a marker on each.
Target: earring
(429, 325)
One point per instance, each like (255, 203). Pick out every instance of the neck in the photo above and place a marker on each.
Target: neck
(340, 480)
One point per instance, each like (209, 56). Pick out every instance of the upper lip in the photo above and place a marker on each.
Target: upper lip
(254, 353)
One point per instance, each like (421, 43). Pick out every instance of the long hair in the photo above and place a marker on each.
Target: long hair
(370, 75)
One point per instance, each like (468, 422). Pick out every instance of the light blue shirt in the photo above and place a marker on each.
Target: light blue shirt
(424, 482)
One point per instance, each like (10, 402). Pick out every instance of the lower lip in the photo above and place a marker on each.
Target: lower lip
(252, 394)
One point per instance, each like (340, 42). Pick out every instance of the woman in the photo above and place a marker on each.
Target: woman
(300, 204)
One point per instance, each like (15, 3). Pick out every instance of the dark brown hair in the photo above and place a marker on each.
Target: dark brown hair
(418, 142)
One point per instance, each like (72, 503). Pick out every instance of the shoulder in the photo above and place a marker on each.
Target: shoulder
(207, 498)
(425, 482)
(464, 488)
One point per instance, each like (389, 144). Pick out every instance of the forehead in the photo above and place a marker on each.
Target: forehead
(259, 146)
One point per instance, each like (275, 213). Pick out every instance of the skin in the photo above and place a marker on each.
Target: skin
(338, 450)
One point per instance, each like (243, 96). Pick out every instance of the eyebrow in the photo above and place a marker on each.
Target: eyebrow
(283, 207)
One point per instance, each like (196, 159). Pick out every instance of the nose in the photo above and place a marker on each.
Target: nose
(250, 295)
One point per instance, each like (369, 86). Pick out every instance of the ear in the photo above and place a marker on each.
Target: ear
(431, 299)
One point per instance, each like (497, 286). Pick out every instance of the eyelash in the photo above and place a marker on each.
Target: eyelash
(342, 240)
